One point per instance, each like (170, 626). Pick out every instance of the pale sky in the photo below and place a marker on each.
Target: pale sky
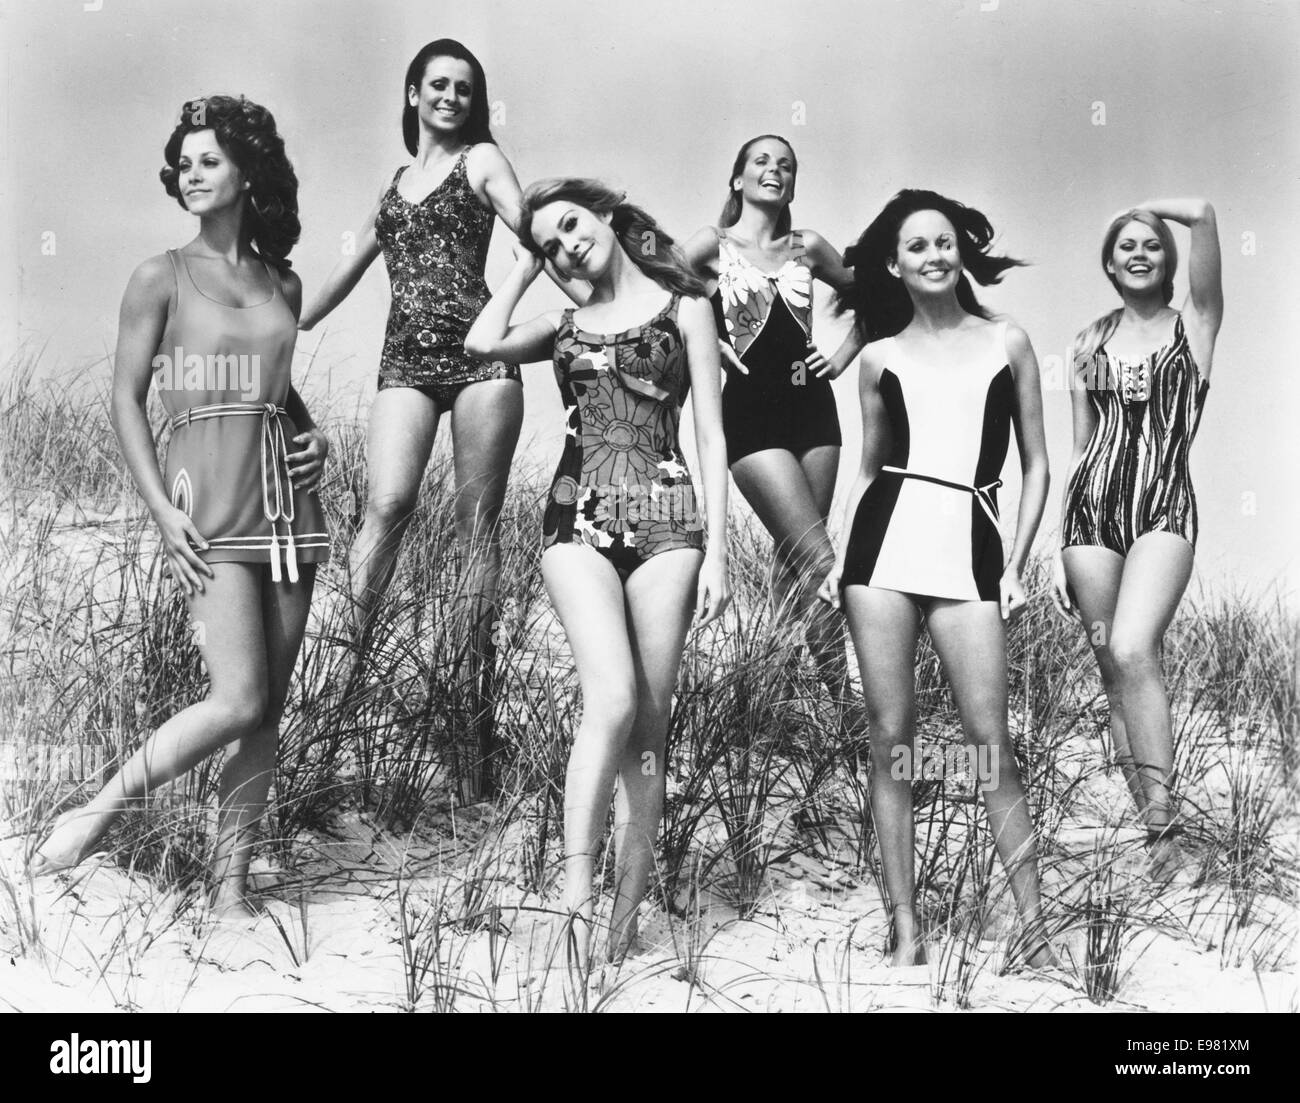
(1047, 116)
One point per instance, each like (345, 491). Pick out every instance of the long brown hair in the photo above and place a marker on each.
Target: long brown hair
(1094, 335)
(645, 242)
(736, 202)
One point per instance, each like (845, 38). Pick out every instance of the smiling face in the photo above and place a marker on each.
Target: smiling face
(443, 98)
(927, 258)
(767, 176)
(577, 241)
(207, 177)
(1138, 260)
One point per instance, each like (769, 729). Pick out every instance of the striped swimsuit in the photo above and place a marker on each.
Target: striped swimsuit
(1133, 477)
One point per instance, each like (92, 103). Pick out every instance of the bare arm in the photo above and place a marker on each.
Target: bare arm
(701, 336)
(1204, 271)
(141, 321)
(827, 265)
(1084, 421)
(493, 179)
(340, 282)
(875, 446)
(492, 337)
(307, 465)
(1031, 442)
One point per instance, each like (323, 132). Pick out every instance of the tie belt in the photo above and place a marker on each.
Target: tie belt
(982, 494)
(277, 491)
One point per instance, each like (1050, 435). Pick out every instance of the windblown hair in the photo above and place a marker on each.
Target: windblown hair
(1094, 335)
(246, 131)
(736, 202)
(476, 128)
(645, 242)
(879, 301)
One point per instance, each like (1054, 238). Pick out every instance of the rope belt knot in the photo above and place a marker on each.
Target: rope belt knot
(277, 490)
(982, 494)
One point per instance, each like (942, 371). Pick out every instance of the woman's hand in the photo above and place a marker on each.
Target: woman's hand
(729, 356)
(713, 594)
(825, 367)
(528, 263)
(1012, 594)
(307, 466)
(1061, 591)
(829, 590)
(184, 564)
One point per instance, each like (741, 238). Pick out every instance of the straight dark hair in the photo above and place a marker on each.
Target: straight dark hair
(476, 128)
(879, 301)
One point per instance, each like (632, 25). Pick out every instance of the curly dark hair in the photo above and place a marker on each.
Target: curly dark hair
(477, 127)
(246, 131)
(879, 301)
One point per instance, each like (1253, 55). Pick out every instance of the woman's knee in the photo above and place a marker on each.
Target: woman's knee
(612, 709)
(389, 511)
(1133, 656)
(241, 711)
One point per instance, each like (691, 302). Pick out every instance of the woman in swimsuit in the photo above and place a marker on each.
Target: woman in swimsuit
(778, 410)
(241, 528)
(433, 223)
(1128, 527)
(941, 386)
(625, 562)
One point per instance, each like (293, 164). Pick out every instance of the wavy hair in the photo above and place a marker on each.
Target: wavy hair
(879, 301)
(1097, 332)
(246, 132)
(646, 243)
(476, 128)
(736, 201)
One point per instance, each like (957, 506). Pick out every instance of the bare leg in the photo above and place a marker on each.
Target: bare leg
(792, 497)
(399, 441)
(588, 598)
(971, 643)
(1094, 575)
(250, 760)
(1156, 574)
(234, 651)
(660, 597)
(485, 424)
(885, 626)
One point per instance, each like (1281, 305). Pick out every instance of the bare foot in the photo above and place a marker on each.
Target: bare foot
(909, 947)
(616, 950)
(74, 836)
(232, 908)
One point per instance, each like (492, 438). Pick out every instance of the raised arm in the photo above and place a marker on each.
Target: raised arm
(875, 445)
(493, 179)
(1031, 441)
(1204, 272)
(492, 337)
(701, 336)
(340, 282)
(140, 325)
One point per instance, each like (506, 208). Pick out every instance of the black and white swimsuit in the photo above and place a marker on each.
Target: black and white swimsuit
(928, 523)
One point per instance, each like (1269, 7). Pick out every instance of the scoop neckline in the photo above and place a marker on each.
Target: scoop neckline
(623, 335)
(1154, 353)
(460, 160)
(229, 306)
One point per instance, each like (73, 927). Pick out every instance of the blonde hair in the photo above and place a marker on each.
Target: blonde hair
(1094, 335)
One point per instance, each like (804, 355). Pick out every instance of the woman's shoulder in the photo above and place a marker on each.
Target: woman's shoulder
(154, 276)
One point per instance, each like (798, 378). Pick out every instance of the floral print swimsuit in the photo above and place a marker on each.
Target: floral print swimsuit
(622, 486)
(435, 251)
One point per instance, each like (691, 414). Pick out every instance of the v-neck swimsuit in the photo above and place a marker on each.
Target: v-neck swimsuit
(767, 317)
(435, 251)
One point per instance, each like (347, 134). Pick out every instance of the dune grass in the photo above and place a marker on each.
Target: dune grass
(97, 650)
